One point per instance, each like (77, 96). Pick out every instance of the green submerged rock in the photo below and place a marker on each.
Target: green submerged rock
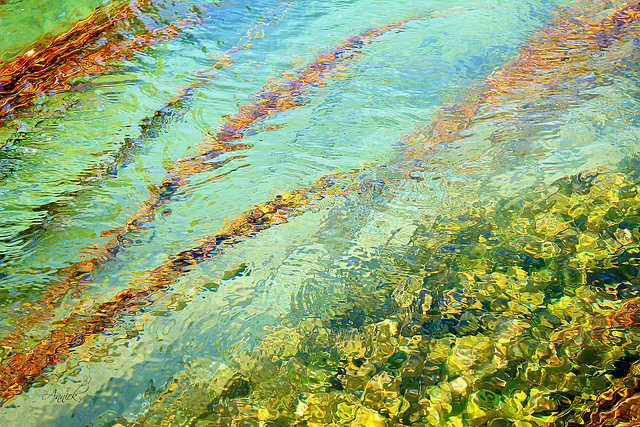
(520, 312)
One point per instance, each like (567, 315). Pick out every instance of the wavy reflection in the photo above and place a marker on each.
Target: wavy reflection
(478, 276)
(48, 66)
(501, 292)
(522, 308)
(544, 69)
(151, 128)
(287, 96)
(275, 97)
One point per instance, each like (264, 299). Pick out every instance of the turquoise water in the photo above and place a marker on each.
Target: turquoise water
(77, 164)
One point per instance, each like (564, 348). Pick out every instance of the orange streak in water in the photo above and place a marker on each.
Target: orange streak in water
(22, 367)
(556, 53)
(622, 400)
(73, 276)
(47, 67)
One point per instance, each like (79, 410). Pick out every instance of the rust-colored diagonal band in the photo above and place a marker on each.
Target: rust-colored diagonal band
(276, 96)
(47, 65)
(151, 126)
(545, 62)
(23, 367)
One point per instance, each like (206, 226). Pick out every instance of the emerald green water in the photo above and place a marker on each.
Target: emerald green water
(465, 284)
(23, 23)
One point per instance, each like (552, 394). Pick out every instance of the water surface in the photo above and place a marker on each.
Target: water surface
(459, 273)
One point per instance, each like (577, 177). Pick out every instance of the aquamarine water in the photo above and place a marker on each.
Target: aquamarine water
(73, 167)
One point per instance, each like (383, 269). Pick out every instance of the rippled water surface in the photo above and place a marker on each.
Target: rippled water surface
(360, 213)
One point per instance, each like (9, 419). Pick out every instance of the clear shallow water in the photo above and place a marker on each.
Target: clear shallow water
(307, 300)
(37, 19)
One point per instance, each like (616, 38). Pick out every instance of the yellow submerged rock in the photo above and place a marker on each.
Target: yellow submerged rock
(368, 418)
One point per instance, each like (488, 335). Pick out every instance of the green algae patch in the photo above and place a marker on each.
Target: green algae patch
(523, 312)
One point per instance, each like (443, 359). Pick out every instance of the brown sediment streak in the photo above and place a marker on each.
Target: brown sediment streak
(558, 52)
(47, 66)
(37, 69)
(620, 404)
(627, 315)
(21, 368)
(283, 94)
(155, 124)
(78, 273)
(276, 96)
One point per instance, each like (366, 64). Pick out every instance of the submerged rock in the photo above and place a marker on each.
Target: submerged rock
(524, 313)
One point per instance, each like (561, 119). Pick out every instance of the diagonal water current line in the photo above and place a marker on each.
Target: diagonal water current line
(23, 367)
(51, 67)
(46, 66)
(158, 123)
(565, 47)
(273, 98)
(174, 110)
(266, 215)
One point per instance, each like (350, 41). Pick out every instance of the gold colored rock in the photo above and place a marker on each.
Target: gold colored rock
(470, 351)
(586, 242)
(507, 330)
(440, 349)
(474, 414)
(542, 404)
(308, 325)
(368, 418)
(435, 413)
(459, 385)
(386, 330)
(302, 411)
(577, 209)
(623, 236)
(560, 203)
(346, 412)
(550, 225)
(532, 299)
(440, 395)
(454, 422)
(381, 381)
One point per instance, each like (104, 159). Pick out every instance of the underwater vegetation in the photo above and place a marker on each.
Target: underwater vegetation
(515, 310)
(523, 311)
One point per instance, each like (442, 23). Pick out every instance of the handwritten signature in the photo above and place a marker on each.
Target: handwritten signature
(63, 397)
